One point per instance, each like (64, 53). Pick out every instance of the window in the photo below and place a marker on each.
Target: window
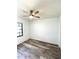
(19, 29)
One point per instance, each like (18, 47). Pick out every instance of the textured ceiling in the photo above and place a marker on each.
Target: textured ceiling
(47, 8)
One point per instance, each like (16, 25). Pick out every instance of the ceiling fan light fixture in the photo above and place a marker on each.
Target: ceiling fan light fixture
(31, 17)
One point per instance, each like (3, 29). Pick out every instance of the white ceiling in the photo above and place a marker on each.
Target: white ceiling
(47, 8)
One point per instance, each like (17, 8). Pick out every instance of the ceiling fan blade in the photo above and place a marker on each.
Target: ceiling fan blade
(31, 12)
(25, 15)
(24, 11)
(37, 16)
(36, 12)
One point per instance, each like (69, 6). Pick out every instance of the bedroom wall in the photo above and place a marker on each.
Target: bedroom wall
(25, 31)
(47, 30)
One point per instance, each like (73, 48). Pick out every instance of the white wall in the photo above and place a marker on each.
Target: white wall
(25, 31)
(47, 30)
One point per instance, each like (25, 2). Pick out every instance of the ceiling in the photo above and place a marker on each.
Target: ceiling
(47, 8)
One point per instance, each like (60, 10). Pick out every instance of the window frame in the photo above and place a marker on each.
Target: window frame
(20, 25)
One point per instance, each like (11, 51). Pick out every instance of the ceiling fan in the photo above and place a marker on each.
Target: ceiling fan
(31, 14)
